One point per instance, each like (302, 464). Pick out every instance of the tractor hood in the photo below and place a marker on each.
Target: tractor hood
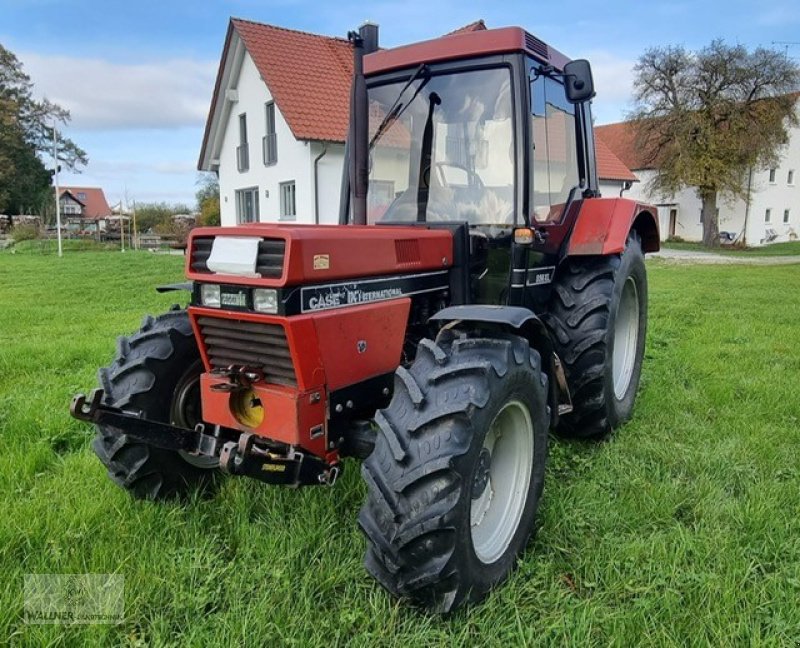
(273, 255)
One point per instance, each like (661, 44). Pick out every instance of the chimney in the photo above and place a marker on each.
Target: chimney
(368, 32)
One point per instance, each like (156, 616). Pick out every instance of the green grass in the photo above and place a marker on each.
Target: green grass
(683, 530)
(788, 248)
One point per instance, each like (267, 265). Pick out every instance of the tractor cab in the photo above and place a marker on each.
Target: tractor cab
(491, 130)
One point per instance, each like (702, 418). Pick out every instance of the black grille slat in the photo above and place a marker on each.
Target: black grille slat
(269, 262)
(252, 344)
(219, 324)
(272, 246)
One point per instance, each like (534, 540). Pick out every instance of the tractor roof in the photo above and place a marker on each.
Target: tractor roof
(462, 45)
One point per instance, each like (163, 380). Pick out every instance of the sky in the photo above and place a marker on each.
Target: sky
(137, 75)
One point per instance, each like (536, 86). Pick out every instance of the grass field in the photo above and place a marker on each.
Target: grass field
(683, 530)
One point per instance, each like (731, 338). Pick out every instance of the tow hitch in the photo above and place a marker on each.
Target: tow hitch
(250, 456)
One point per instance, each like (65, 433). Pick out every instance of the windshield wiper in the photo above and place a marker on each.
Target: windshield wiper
(397, 108)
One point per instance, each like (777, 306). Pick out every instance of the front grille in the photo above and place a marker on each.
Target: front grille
(251, 344)
(269, 263)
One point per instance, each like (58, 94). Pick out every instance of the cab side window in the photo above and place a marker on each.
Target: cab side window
(555, 163)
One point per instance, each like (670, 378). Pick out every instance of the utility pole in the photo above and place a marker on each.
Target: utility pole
(55, 179)
(135, 233)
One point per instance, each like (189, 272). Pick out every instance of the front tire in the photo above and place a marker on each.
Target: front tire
(456, 476)
(598, 318)
(156, 372)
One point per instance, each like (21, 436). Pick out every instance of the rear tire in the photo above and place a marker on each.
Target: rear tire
(598, 318)
(456, 476)
(155, 372)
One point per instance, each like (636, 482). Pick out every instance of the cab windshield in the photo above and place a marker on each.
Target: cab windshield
(442, 149)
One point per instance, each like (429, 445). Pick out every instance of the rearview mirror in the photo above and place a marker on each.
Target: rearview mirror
(578, 81)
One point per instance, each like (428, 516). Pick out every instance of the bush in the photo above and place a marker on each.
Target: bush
(24, 232)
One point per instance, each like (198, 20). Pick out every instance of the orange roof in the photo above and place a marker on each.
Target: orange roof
(621, 139)
(92, 198)
(308, 76)
(609, 166)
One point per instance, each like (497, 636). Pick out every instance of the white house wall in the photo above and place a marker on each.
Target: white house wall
(294, 157)
(777, 197)
(688, 225)
(610, 188)
(329, 175)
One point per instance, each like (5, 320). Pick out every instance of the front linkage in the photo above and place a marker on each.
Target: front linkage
(245, 457)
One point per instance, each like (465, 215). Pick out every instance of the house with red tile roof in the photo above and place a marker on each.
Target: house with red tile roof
(84, 207)
(771, 214)
(278, 121)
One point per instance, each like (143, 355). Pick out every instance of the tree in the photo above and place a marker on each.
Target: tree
(151, 216)
(26, 133)
(704, 119)
(208, 200)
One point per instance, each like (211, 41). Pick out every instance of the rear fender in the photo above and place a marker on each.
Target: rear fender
(603, 225)
(518, 321)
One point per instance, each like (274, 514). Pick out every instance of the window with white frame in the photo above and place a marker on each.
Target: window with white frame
(785, 215)
(242, 151)
(790, 177)
(70, 208)
(767, 215)
(772, 176)
(270, 143)
(247, 205)
(288, 206)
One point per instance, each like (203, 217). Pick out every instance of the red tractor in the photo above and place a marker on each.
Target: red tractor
(477, 293)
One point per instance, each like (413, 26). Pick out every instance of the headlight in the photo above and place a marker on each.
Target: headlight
(209, 295)
(265, 300)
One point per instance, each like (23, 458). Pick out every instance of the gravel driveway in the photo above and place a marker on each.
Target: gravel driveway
(691, 256)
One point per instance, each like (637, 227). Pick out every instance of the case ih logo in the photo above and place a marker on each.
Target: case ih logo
(350, 295)
(316, 298)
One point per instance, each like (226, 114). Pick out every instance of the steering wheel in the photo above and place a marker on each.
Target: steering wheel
(473, 179)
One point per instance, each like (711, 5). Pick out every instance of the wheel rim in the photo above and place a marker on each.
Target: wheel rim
(185, 411)
(501, 482)
(626, 334)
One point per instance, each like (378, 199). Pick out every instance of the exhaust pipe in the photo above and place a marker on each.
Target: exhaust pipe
(364, 41)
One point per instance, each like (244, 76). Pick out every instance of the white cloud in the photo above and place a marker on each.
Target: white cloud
(613, 81)
(102, 95)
